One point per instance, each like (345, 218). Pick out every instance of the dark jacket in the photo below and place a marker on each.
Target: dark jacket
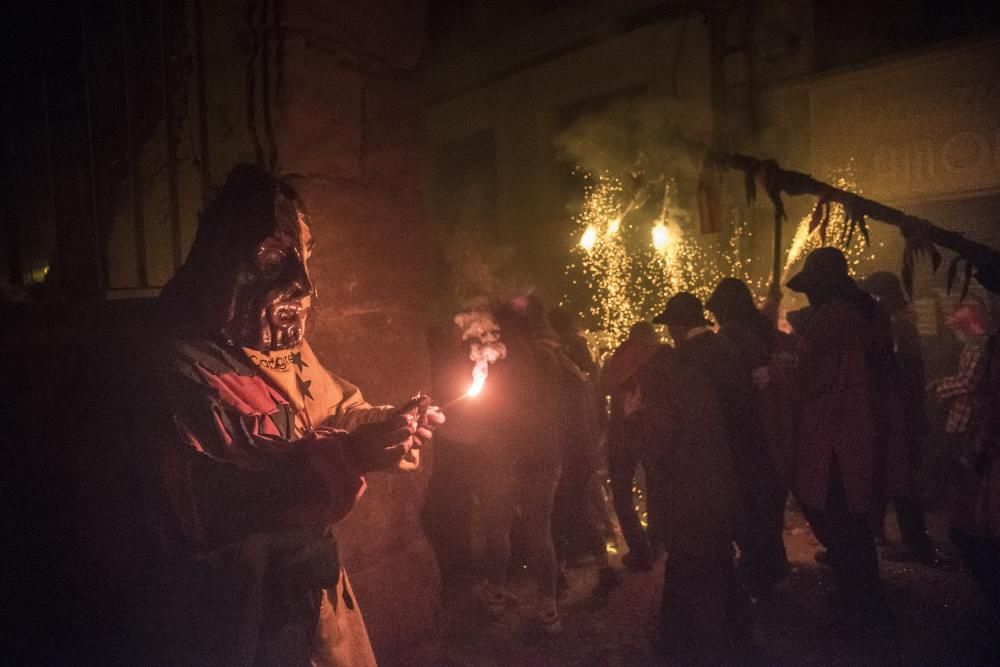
(242, 513)
(912, 376)
(729, 375)
(686, 451)
(849, 398)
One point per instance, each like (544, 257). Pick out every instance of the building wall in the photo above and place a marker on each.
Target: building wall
(918, 131)
(524, 112)
(921, 127)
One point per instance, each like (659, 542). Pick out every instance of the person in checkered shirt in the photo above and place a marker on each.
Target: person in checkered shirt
(973, 422)
(965, 389)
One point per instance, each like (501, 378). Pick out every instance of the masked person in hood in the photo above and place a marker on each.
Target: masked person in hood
(850, 417)
(253, 450)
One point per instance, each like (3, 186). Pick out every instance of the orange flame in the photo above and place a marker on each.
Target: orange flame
(479, 374)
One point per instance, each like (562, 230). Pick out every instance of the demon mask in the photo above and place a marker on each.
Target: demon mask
(246, 276)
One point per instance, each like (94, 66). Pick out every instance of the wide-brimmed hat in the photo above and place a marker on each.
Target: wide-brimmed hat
(684, 309)
(824, 268)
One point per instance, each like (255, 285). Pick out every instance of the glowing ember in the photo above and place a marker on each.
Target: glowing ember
(614, 225)
(661, 237)
(589, 238)
(479, 373)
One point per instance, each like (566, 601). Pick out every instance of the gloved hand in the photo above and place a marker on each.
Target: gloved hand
(427, 416)
(382, 445)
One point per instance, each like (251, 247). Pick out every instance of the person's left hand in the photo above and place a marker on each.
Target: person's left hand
(379, 445)
(424, 418)
(429, 420)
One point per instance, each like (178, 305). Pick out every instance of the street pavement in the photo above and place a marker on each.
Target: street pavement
(940, 619)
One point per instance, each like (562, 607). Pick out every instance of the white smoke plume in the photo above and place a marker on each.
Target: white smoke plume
(636, 136)
(480, 327)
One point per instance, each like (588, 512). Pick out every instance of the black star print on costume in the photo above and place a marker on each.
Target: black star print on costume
(304, 387)
(297, 360)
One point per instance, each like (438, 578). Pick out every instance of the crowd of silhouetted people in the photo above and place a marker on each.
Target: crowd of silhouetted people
(694, 449)
(186, 495)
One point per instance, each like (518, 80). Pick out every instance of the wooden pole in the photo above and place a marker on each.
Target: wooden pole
(922, 236)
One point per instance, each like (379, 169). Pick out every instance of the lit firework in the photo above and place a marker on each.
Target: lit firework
(479, 373)
(607, 265)
(631, 266)
(634, 266)
(687, 265)
(481, 329)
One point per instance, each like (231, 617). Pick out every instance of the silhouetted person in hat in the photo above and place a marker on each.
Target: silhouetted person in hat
(711, 365)
(756, 341)
(718, 359)
(850, 413)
